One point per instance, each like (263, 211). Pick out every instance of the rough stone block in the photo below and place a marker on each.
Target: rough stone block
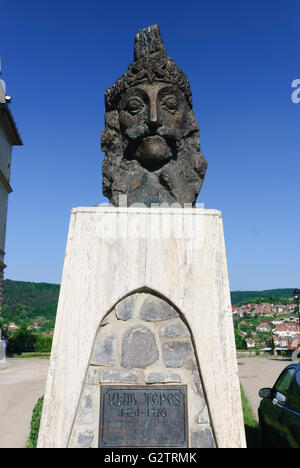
(203, 416)
(125, 309)
(117, 376)
(85, 439)
(159, 377)
(139, 348)
(155, 309)
(104, 352)
(203, 438)
(93, 376)
(174, 352)
(174, 329)
(88, 402)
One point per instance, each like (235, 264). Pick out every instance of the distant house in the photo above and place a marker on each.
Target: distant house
(250, 343)
(282, 309)
(281, 341)
(292, 319)
(263, 309)
(277, 321)
(287, 329)
(12, 326)
(264, 327)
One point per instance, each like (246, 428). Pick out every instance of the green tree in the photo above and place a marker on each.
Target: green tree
(22, 341)
(272, 345)
(240, 341)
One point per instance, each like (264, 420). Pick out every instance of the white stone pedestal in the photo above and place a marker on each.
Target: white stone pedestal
(179, 254)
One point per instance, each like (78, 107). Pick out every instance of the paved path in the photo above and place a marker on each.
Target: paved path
(258, 372)
(22, 383)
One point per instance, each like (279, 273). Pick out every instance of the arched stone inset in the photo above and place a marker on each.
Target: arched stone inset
(143, 340)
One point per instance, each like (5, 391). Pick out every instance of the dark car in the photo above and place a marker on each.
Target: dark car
(279, 410)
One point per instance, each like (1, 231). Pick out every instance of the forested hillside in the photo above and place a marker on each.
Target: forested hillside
(269, 295)
(24, 301)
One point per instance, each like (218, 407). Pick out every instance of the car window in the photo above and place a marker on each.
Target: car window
(294, 394)
(283, 383)
(298, 377)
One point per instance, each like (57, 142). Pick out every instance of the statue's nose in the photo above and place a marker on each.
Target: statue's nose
(154, 121)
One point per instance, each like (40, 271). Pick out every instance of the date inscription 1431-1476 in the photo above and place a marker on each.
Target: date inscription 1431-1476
(145, 416)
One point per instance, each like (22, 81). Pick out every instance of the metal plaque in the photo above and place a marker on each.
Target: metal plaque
(148, 416)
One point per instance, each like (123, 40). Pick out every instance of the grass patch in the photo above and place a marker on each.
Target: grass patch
(31, 355)
(35, 424)
(251, 424)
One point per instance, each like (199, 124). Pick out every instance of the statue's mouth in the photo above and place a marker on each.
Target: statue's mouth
(152, 152)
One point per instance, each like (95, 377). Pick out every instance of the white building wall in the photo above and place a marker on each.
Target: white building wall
(8, 137)
(5, 161)
(3, 218)
(5, 154)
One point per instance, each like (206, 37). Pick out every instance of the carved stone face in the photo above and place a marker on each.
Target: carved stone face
(151, 138)
(151, 117)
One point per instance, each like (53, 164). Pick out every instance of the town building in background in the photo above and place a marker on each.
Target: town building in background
(9, 137)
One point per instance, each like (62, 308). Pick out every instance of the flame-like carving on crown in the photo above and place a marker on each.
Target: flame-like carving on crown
(151, 64)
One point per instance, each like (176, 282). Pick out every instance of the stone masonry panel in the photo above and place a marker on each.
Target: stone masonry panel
(143, 341)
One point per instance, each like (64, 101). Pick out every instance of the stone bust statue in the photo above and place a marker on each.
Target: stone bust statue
(151, 138)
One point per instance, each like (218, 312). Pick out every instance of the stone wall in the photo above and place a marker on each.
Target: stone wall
(142, 341)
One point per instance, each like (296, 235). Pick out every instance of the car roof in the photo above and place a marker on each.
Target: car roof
(293, 365)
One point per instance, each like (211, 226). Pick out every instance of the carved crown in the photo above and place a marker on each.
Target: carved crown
(151, 64)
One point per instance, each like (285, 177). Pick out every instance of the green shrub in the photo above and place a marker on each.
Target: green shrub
(240, 341)
(43, 344)
(35, 424)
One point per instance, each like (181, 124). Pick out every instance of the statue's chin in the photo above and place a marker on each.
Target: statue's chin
(153, 152)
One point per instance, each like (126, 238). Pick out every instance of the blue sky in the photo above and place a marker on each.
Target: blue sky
(241, 58)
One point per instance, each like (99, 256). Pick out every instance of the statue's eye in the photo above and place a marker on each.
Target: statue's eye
(171, 103)
(134, 106)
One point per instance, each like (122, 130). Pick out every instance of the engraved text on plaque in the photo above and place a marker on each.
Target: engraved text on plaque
(148, 416)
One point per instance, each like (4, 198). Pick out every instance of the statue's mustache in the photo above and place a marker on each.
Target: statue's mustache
(144, 130)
